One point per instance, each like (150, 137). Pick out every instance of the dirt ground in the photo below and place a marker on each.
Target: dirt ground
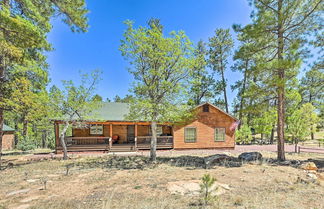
(92, 184)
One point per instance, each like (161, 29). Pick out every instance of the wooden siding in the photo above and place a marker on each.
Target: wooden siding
(205, 124)
(121, 130)
(8, 140)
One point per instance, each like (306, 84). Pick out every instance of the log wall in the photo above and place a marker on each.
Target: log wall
(205, 124)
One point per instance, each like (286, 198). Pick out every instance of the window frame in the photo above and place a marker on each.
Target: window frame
(184, 136)
(96, 132)
(215, 134)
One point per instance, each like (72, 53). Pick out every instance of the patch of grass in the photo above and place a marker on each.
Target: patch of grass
(138, 187)
(238, 201)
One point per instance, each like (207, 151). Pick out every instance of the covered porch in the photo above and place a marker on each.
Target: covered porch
(114, 136)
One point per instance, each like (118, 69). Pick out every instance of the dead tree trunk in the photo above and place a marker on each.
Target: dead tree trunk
(153, 142)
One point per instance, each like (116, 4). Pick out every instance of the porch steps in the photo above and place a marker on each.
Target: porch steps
(122, 148)
(159, 146)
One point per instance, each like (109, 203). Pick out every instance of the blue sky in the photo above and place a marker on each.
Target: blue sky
(98, 48)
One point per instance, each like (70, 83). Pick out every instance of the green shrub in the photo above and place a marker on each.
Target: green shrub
(244, 135)
(26, 144)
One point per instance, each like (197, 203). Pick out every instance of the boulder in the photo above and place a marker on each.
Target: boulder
(216, 159)
(309, 166)
(250, 156)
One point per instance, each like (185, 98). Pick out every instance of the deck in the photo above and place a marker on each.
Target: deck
(104, 144)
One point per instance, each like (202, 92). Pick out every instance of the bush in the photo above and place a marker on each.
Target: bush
(26, 144)
(244, 135)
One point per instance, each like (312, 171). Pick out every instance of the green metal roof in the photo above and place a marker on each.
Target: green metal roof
(7, 128)
(105, 111)
(115, 111)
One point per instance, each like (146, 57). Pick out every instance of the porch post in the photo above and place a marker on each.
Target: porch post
(135, 136)
(110, 133)
(172, 133)
(57, 133)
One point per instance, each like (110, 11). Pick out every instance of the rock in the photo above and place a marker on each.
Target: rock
(309, 166)
(312, 176)
(231, 164)
(287, 163)
(18, 192)
(215, 159)
(193, 188)
(250, 156)
(32, 180)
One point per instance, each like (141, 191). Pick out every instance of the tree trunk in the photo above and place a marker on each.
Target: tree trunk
(312, 135)
(296, 145)
(1, 134)
(224, 91)
(153, 142)
(242, 94)
(2, 80)
(16, 133)
(62, 140)
(272, 134)
(25, 129)
(281, 88)
(44, 139)
(261, 138)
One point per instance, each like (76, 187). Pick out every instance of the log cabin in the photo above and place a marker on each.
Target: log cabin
(210, 128)
(8, 137)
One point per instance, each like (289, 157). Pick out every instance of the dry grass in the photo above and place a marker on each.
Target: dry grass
(252, 186)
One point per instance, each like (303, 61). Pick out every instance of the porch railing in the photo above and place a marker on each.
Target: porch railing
(139, 140)
(160, 139)
(86, 140)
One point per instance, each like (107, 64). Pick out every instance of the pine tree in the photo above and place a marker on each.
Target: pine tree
(220, 47)
(23, 29)
(202, 81)
(281, 27)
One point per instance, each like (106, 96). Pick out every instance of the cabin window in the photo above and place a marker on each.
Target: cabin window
(206, 108)
(96, 129)
(219, 134)
(190, 135)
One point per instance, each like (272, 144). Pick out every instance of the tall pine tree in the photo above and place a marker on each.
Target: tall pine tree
(281, 27)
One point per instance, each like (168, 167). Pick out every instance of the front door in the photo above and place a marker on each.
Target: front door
(131, 134)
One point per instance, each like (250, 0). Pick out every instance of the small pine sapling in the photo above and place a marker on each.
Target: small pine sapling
(206, 189)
